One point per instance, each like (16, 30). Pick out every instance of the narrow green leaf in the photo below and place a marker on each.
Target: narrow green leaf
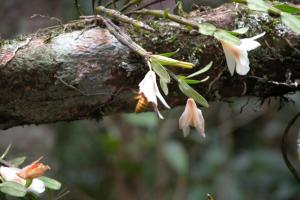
(201, 71)
(192, 81)
(291, 21)
(240, 31)
(176, 156)
(287, 8)
(171, 62)
(207, 29)
(17, 161)
(258, 5)
(50, 183)
(226, 36)
(5, 152)
(190, 92)
(170, 54)
(160, 71)
(13, 189)
(164, 86)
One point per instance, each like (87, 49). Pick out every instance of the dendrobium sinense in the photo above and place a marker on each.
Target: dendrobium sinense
(192, 116)
(29, 173)
(148, 89)
(237, 55)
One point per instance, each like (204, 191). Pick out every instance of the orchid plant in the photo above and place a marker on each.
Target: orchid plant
(235, 50)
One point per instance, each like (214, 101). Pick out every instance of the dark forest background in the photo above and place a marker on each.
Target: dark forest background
(129, 156)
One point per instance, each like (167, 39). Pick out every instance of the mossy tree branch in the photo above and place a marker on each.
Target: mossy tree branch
(74, 72)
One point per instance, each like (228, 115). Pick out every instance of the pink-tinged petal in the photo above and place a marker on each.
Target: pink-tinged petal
(199, 123)
(186, 131)
(242, 66)
(230, 58)
(184, 120)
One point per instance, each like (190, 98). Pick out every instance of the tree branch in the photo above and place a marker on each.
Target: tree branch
(72, 72)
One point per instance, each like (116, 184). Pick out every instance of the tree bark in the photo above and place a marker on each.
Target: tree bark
(78, 72)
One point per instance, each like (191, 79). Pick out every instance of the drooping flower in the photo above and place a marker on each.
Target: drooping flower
(237, 55)
(192, 116)
(30, 172)
(149, 91)
(34, 170)
(10, 174)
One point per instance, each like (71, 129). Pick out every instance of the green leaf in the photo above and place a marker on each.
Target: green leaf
(287, 8)
(192, 81)
(258, 5)
(207, 29)
(13, 189)
(190, 92)
(170, 54)
(160, 71)
(240, 31)
(291, 21)
(50, 183)
(226, 36)
(17, 161)
(164, 86)
(176, 156)
(5, 152)
(201, 71)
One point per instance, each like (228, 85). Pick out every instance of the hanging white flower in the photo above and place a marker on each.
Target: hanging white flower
(11, 174)
(237, 55)
(148, 89)
(192, 116)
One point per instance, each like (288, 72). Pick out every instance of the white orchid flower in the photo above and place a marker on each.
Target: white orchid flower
(192, 116)
(148, 89)
(11, 174)
(237, 55)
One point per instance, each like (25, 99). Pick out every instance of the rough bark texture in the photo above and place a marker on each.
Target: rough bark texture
(70, 73)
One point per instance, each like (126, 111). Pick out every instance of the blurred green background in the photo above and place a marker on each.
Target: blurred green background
(131, 156)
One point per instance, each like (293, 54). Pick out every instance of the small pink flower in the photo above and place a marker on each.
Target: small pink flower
(192, 116)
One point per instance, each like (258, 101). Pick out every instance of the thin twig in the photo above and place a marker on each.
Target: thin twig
(163, 14)
(146, 5)
(48, 17)
(110, 3)
(123, 38)
(78, 8)
(129, 4)
(16, 50)
(6, 163)
(284, 146)
(123, 18)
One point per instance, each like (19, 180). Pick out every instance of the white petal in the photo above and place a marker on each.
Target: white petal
(147, 86)
(184, 120)
(37, 186)
(157, 93)
(242, 66)
(186, 131)
(250, 43)
(257, 36)
(230, 59)
(10, 174)
(157, 111)
(199, 123)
